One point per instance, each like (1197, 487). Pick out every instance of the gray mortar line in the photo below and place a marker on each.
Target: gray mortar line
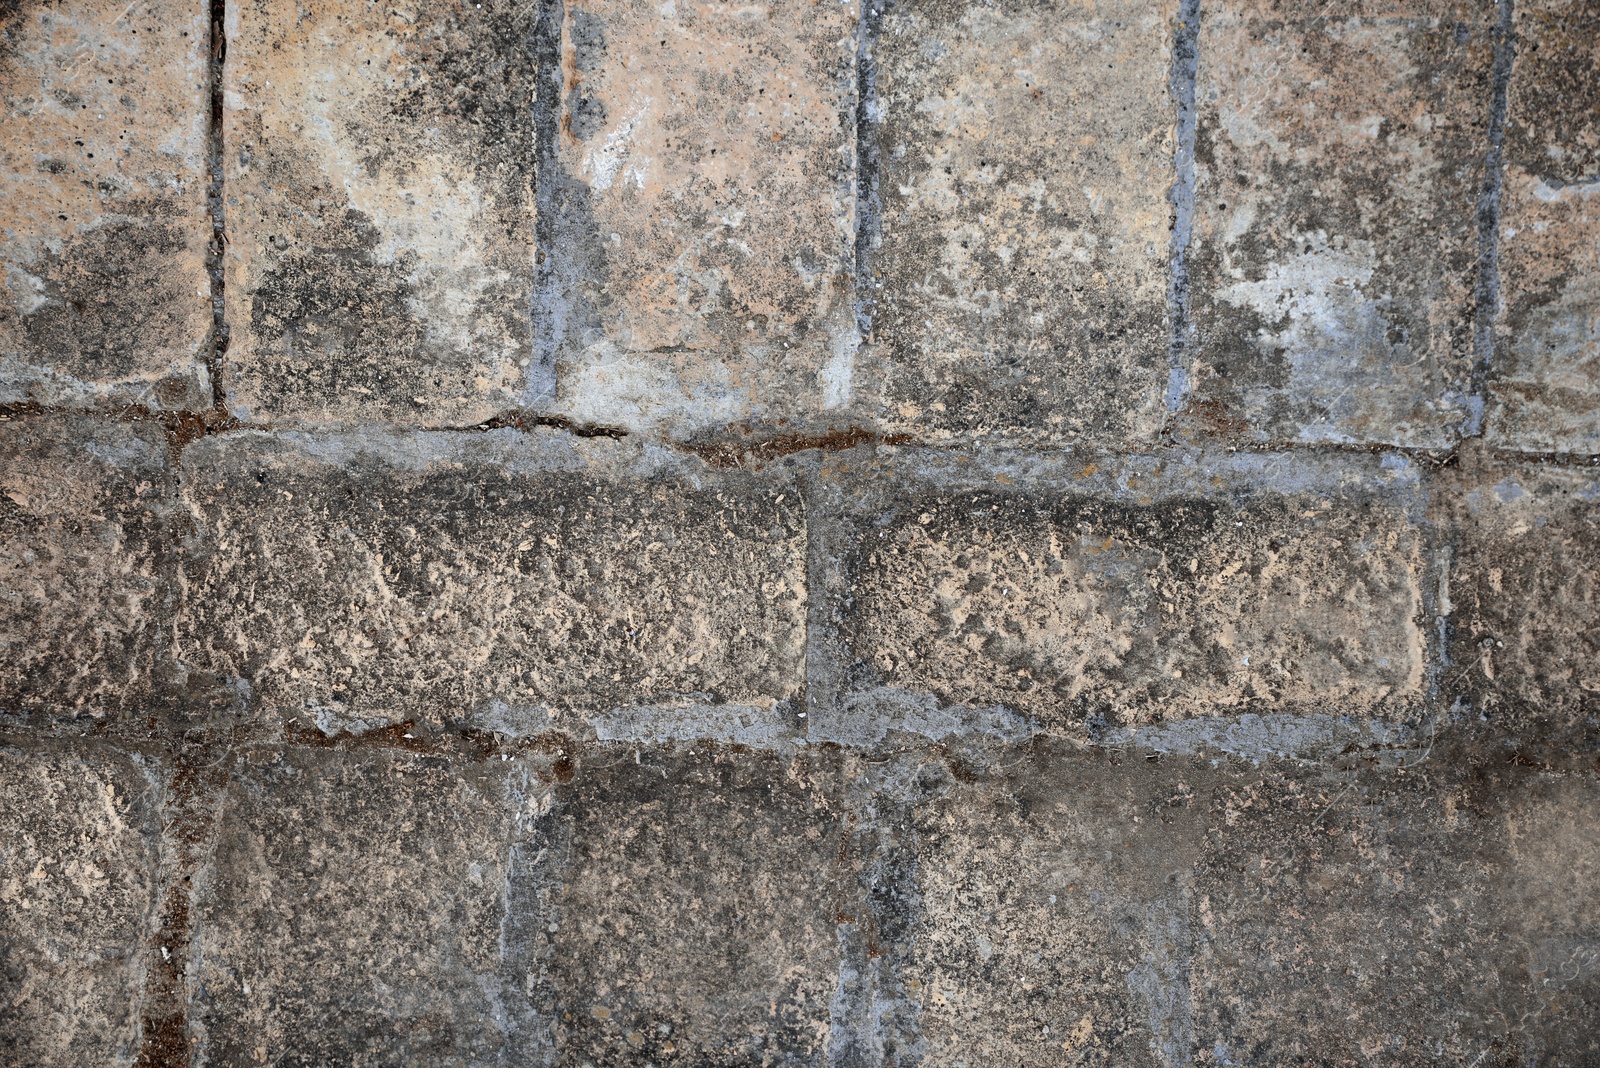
(1487, 296)
(215, 267)
(549, 84)
(1182, 81)
(869, 200)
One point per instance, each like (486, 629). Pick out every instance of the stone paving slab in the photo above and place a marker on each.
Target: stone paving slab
(1545, 383)
(105, 299)
(79, 887)
(1013, 593)
(698, 255)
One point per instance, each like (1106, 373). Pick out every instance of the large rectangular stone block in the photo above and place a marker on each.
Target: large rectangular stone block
(78, 893)
(1545, 383)
(85, 575)
(1387, 908)
(1018, 290)
(352, 912)
(1017, 593)
(380, 210)
(697, 248)
(697, 911)
(520, 581)
(1525, 605)
(105, 297)
(1338, 166)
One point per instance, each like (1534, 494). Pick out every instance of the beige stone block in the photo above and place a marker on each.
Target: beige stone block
(1127, 592)
(1018, 290)
(85, 588)
(78, 893)
(507, 580)
(700, 273)
(380, 210)
(1333, 265)
(105, 298)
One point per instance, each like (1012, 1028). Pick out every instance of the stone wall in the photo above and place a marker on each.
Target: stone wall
(621, 532)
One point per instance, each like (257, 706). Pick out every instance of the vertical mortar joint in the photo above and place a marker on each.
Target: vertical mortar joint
(1486, 299)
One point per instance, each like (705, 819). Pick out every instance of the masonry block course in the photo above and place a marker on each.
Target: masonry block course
(600, 533)
(104, 228)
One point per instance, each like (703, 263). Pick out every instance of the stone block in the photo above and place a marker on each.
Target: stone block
(1052, 924)
(1108, 908)
(1525, 599)
(379, 184)
(85, 576)
(697, 910)
(1018, 287)
(1017, 593)
(1374, 917)
(105, 298)
(352, 912)
(1338, 166)
(697, 215)
(1545, 382)
(1552, 124)
(78, 895)
(519, 581)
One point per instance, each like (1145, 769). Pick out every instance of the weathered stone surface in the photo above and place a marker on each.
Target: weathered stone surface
(1370, 917)
(352, 913)
(1546, 379)
(1084, 908)
(1054, 926)
(380, 210)
(697, 911)
(77, 902)
(105, 298)
(1525, 593)
(518, 581)
(85, 591)
(698, 207)
(1338, 164)
(968, 593)
(1025, 152)
(1552, 122)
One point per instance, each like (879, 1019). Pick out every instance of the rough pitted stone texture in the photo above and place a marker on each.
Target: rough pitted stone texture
(1525, 589)
(352, 912)
(78, 855)
(1338, 164)
(1064, 591)
(1552, 123)
(105, 298)
(699, 260)
(514, 580)
(1053, 926)
(697, 911)
(380, 210)
(1546, 379)
(1018, 290)
(85, 585)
